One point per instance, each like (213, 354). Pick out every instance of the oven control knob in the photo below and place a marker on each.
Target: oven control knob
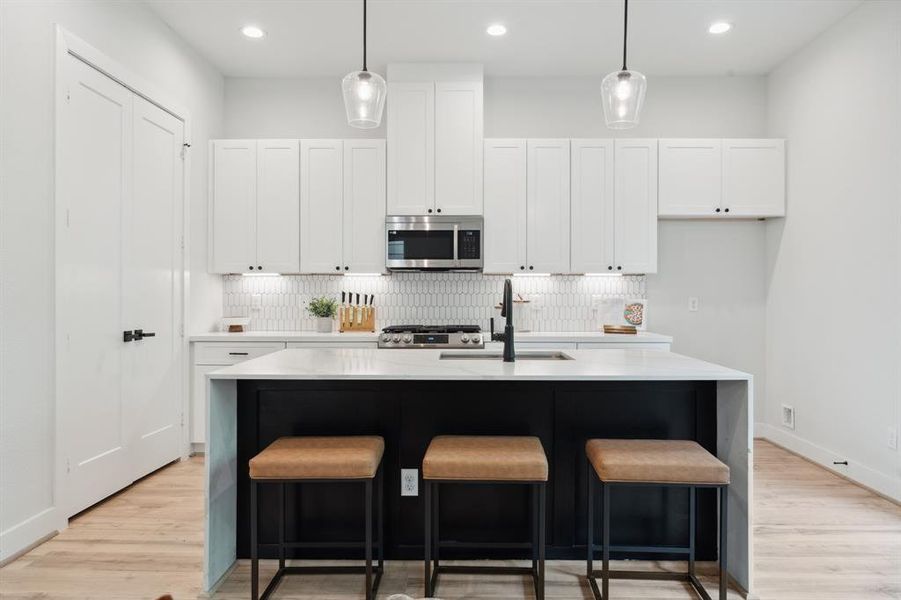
(464, 338)
(408, 338)
(395, 339)
(475, 339)
(386, 337)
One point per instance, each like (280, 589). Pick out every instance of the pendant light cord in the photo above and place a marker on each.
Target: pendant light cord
(364, 35)
(625, 31)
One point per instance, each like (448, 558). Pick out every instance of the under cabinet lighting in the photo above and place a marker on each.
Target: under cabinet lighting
(253, 32)
(362, 274)
(719, 27)
(603, 274)
(531, 274)
(260, 274)
(496, 30)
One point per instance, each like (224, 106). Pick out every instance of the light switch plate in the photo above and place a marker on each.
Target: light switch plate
(693, 303)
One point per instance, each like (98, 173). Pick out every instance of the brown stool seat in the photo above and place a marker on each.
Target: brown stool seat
(655, 461)
(485, 458)
(345, 457)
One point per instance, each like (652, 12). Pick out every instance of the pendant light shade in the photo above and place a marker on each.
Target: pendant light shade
(364, 93)
(622, 92)
(364, 99)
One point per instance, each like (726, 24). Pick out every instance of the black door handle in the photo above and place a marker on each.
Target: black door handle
(140, 334)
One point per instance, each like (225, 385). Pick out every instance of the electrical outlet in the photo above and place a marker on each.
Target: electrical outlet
(409, 482)
(693, 302)
(893, 438)
(788, 416)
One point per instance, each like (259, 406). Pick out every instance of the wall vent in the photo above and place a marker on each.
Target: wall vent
(788, 416)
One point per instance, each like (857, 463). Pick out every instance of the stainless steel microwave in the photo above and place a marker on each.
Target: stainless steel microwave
(434, 243)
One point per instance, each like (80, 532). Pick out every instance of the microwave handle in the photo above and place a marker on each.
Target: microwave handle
(456, 241)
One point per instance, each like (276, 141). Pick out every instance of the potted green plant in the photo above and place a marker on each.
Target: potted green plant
(324, 309)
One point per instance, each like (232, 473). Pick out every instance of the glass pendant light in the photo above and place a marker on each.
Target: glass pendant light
(364, 93)
(622, 92)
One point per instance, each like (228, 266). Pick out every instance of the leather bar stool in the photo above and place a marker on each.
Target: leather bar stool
(660, 463)
(308, 460)
(484, 460)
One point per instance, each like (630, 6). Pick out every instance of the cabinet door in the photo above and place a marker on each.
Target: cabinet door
(278, 206)
(635, 206)
(504, 241)
(548, 206)
(458, 148)
(411, 148)
(754, 178)
(321, 206)
(592, 206)
(364, 205)
(233, 222)
(691, 182)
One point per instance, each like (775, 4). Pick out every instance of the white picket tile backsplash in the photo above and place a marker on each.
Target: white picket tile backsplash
(561, 303)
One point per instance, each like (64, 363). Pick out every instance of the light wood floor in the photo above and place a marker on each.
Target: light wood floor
(818, 537)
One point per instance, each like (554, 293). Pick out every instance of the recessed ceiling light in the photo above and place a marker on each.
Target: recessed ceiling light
(252, 31)
(719, 27)
(496, 30)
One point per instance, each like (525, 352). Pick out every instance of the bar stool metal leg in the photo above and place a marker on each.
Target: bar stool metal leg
(436, 524)
(254, 558)
(368, 491)
(380, 490)
(605, 569)
(691, 531)
(281, 527)
(541, 533)
(428, 538)
(724, 548)
(589, 541)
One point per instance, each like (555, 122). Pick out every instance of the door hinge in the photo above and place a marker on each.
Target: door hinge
(68, 466)
(68, 95)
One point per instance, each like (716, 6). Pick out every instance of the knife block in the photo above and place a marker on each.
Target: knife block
(356, 318)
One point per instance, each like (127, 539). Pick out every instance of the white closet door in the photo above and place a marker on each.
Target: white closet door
(234, 206)
(153, 289)
(321, 206)
(635, 213)
(95, 140)
(411, 148)
(592, 206)
(458, 148)
(364, 206)
(278, 206)
(691, 177)
(548, 206)
(504, 241)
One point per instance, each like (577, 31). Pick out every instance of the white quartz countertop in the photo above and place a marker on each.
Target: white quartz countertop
(373, 364)
(642, 337)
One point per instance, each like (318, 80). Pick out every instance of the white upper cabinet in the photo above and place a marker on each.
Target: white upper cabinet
(635, 206)
(458, 148)
(435, 122)
(254, 213)
(505, 206)
(702, 178)
(754, 178)
(278, 210)
(592, 206)
(548, 206)
(691, 182)
(321, 206)
(411, 148)
(233, 210)
(364, 206)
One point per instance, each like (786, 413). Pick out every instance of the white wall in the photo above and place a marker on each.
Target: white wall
(834, 295)
(132, 35)
(720, 263)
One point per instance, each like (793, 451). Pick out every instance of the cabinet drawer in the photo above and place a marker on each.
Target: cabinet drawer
(230, 353)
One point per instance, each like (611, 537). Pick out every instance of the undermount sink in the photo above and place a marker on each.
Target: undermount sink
(521, 355)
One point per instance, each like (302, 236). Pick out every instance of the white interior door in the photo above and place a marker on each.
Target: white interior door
(96, 144)
(364, 205)
(505, 206)
(321, 210)
(152, 378)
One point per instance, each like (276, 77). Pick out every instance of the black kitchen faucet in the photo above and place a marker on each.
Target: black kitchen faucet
(507, 336)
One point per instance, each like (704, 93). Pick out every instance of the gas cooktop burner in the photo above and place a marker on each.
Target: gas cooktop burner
(431, 336)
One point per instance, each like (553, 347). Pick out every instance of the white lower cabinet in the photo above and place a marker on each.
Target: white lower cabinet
(624, 346)
(338, 345)
(210, 356)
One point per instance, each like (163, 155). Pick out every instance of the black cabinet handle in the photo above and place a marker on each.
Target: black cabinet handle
(337, 268)
(346, 268)
(430, 211)
(140, 334)
(238, 353)
(727, 210)
(260, 268)
(522, 267)
(717, 210)
(610, 268)
(619, 268)
(531, 268)
(439, 210)
(250, 267)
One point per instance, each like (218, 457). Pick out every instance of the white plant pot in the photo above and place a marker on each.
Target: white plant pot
(324, 324)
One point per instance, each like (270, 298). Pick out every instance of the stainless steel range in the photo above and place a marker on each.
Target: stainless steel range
(432, 336)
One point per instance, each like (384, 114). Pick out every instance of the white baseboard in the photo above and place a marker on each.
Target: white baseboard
(25, 535)
(870, 478)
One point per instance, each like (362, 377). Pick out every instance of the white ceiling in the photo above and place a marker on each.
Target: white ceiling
(322, 38)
